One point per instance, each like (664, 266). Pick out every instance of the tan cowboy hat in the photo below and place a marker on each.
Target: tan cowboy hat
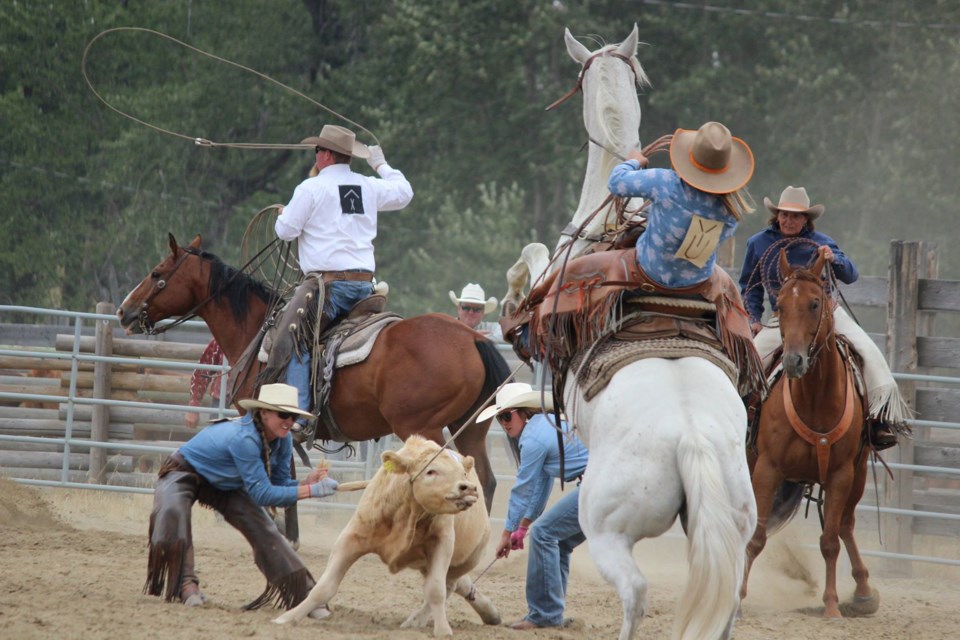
(473, 294)
(710, 159)
(795, 199)
(516, 395)
(278, 397)
(339, 139)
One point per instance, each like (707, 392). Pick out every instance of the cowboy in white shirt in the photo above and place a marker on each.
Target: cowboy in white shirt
(333, 218)
(471, 307)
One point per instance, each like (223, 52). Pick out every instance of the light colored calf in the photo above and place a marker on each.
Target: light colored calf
(419, 511)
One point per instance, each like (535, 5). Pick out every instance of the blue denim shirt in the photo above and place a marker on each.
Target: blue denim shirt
(673, 204)
(801, 254)
(228, 454)
(539, 465)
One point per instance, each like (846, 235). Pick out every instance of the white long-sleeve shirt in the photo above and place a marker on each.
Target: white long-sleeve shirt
(334, 216)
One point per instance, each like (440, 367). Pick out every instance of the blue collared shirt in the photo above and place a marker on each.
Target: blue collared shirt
(673, 203)
(753, 275)
(229, 455)
(539, 465)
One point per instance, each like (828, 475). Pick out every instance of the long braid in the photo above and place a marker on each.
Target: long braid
(264, 446)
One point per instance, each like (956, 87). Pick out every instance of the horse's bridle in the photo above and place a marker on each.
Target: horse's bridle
(586, 65)
(814, 349)
(146, 325)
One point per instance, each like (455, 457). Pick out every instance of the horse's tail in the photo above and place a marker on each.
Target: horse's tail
(715, 549)
(786, 503)
(495, 373)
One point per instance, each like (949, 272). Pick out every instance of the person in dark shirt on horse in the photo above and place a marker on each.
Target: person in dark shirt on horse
(693, 207)
(554, 534)
(791, 226)
(236, 467)
(333, 218)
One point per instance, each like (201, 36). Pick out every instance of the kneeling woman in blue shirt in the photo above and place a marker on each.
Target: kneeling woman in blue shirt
(235, 467)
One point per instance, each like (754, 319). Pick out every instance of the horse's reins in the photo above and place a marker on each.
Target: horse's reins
(203, 142)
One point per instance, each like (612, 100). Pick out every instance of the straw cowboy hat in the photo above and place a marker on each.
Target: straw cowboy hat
(278, 397)
(339, 139)
(473, 294)
(710, 159)
(514, 396)
(795, 199)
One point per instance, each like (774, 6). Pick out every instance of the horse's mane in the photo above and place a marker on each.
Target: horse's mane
(234, 285)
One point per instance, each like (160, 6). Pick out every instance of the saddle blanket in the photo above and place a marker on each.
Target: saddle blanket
(596, 367)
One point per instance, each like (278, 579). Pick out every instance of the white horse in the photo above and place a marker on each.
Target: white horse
(666, 437)
(609, 79)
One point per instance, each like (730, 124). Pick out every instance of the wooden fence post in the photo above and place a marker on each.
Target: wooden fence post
(100, 420)
(906, 261)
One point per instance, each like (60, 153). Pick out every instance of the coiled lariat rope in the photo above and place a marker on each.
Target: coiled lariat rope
(203, 142)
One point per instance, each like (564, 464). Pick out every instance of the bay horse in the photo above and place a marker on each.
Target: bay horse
(811, 428)
(423, 374)
(666, 436)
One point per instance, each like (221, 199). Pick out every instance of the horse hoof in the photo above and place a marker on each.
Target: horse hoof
(864, 605)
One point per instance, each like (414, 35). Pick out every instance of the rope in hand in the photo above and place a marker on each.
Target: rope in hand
(203, 142)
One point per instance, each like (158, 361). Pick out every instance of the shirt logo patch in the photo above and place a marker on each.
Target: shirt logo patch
(702, 238)
(351, 199)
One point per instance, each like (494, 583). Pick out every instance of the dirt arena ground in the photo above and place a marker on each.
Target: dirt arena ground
(72, 566)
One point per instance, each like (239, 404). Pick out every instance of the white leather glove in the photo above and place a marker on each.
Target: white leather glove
(376, 157)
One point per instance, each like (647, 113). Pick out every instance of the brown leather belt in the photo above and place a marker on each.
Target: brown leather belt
(331, 276)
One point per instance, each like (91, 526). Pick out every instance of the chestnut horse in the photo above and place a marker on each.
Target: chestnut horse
(810, 430)
(423, 374)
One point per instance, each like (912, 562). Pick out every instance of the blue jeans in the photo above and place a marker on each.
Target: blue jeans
(340, 296)
(553, 538)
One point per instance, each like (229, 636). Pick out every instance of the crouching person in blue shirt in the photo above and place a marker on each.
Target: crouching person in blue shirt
(555, 534)
(236, 467)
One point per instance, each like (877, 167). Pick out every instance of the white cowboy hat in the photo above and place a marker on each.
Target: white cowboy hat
(473, 294)
(795, 199)
(710, 159)
(278, 397)
(339, 139)
(516, 395)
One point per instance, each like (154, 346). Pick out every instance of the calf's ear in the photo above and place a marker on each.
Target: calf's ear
(392, 463)
(467, 463)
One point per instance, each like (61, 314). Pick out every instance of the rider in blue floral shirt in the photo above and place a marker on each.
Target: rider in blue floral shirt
(693, 207)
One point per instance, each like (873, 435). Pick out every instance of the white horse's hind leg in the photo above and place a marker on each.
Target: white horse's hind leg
(612, 553)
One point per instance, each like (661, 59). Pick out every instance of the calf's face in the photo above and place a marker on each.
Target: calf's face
(441, 485)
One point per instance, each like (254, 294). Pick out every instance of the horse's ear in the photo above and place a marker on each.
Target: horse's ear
(576, 50)
(817, 268)
(196, 242)
(174, 247)
(785, 268)
(628, 48)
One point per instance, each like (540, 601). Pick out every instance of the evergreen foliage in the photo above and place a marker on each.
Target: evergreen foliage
(856, 102)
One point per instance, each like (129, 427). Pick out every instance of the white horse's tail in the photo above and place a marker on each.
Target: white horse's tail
(714, 544)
